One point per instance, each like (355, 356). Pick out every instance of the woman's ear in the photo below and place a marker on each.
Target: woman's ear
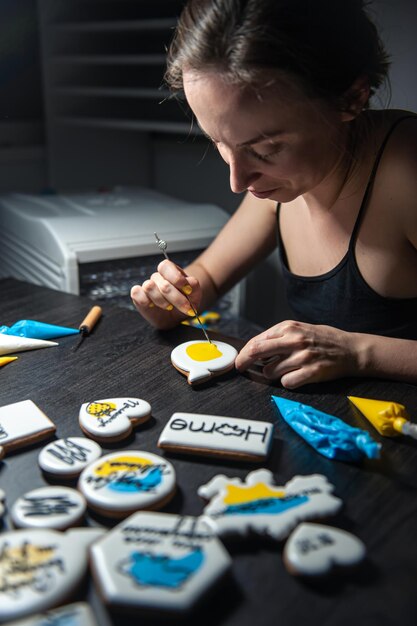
(355, 99)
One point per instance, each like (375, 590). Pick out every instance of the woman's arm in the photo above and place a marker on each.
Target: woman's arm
(248, 237)
(298, 354)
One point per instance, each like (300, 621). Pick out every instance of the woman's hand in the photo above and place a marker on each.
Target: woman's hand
(299, 353)
(162, 299)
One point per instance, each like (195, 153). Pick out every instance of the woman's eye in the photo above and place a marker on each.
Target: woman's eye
(264, 156)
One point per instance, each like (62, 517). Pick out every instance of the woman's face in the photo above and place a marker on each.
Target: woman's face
(278, 143)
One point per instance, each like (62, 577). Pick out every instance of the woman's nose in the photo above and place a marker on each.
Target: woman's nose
(242, 175)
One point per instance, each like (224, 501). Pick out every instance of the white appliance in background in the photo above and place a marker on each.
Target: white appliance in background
(99, 244)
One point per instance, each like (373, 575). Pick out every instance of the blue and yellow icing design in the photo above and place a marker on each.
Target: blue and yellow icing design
(129, 474)
(163, 570)
(259, 499)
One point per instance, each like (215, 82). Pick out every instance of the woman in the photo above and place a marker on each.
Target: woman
(282, 89)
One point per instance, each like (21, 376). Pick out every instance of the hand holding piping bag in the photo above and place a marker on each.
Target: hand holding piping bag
(389, 418)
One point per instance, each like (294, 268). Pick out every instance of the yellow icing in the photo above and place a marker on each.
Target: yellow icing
(387, 417)
(98, 409)
(203, 351)
(7, 359)
(19, 564)
(238, 495)
(122, 463)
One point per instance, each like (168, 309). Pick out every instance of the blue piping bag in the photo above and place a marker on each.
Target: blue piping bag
(329, 435)
(37, 330)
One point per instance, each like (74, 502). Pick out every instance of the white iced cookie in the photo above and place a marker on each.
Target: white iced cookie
(228, 437)
(315, 549)
(77, 614)
(23, 423)
(257, 505)
(200, 360)
(113, 419)
(120, 483)
(40, 569)
(49, 507)
(158, 561)
(68, 457)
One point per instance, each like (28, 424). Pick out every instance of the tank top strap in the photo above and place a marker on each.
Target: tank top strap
(368, 189)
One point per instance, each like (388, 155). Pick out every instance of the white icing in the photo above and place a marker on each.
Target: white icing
(21, 420)
(13, 343)
(122, 558)
(217, 433)
(68, 457)
(258, 505)
(313, 549)
(49, 507)
(112, 417)
(201, 370)
(50, 566)
(77, 614)
(122, 482)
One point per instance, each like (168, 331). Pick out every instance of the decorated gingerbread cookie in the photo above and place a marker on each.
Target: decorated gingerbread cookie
(315, 550)
(258, 506)
(200, 360)
(68, 457)
(77, 614)
(228, 437)
(49, 507)
(158, 561)
(40, 569)
(113, 419)
(23, 423)
(120, 483)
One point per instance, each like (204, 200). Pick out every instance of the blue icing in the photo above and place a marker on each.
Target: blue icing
(131, 483)
(159, 570)
(265, 506)
(329, 435)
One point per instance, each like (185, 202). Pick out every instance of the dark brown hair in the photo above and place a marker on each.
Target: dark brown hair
(324, 44)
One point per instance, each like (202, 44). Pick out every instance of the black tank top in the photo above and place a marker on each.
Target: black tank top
(341, 297)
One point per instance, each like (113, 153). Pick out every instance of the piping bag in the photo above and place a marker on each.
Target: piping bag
(327, 434)
(389, 418)
(37, 330)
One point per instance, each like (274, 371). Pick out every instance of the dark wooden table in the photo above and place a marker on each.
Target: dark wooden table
(125, 357)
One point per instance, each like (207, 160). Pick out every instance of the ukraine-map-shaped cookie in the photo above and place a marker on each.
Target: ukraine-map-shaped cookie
(258, 506)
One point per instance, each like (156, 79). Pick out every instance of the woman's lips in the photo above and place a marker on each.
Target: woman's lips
(262, 194)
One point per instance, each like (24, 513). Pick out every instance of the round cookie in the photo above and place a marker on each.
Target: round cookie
(123, 482)
(49, 507)
(41, 569)
(316, 549)
(112, 419)
(66, 458)
(200, 360)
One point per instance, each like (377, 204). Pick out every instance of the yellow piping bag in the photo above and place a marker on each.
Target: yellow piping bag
(389, 418)
(7, 359)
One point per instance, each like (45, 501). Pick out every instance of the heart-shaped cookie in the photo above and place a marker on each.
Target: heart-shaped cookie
(113, 419)
(315, 549)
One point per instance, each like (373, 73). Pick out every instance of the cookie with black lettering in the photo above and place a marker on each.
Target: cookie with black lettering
(120, 483)
(160, 562)
(23, 423)
(41, 569)
(215, 435)
(49, 507)
(66, 458)
(113, 419)
(257, 505)
(317, 550)
(77, 614)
